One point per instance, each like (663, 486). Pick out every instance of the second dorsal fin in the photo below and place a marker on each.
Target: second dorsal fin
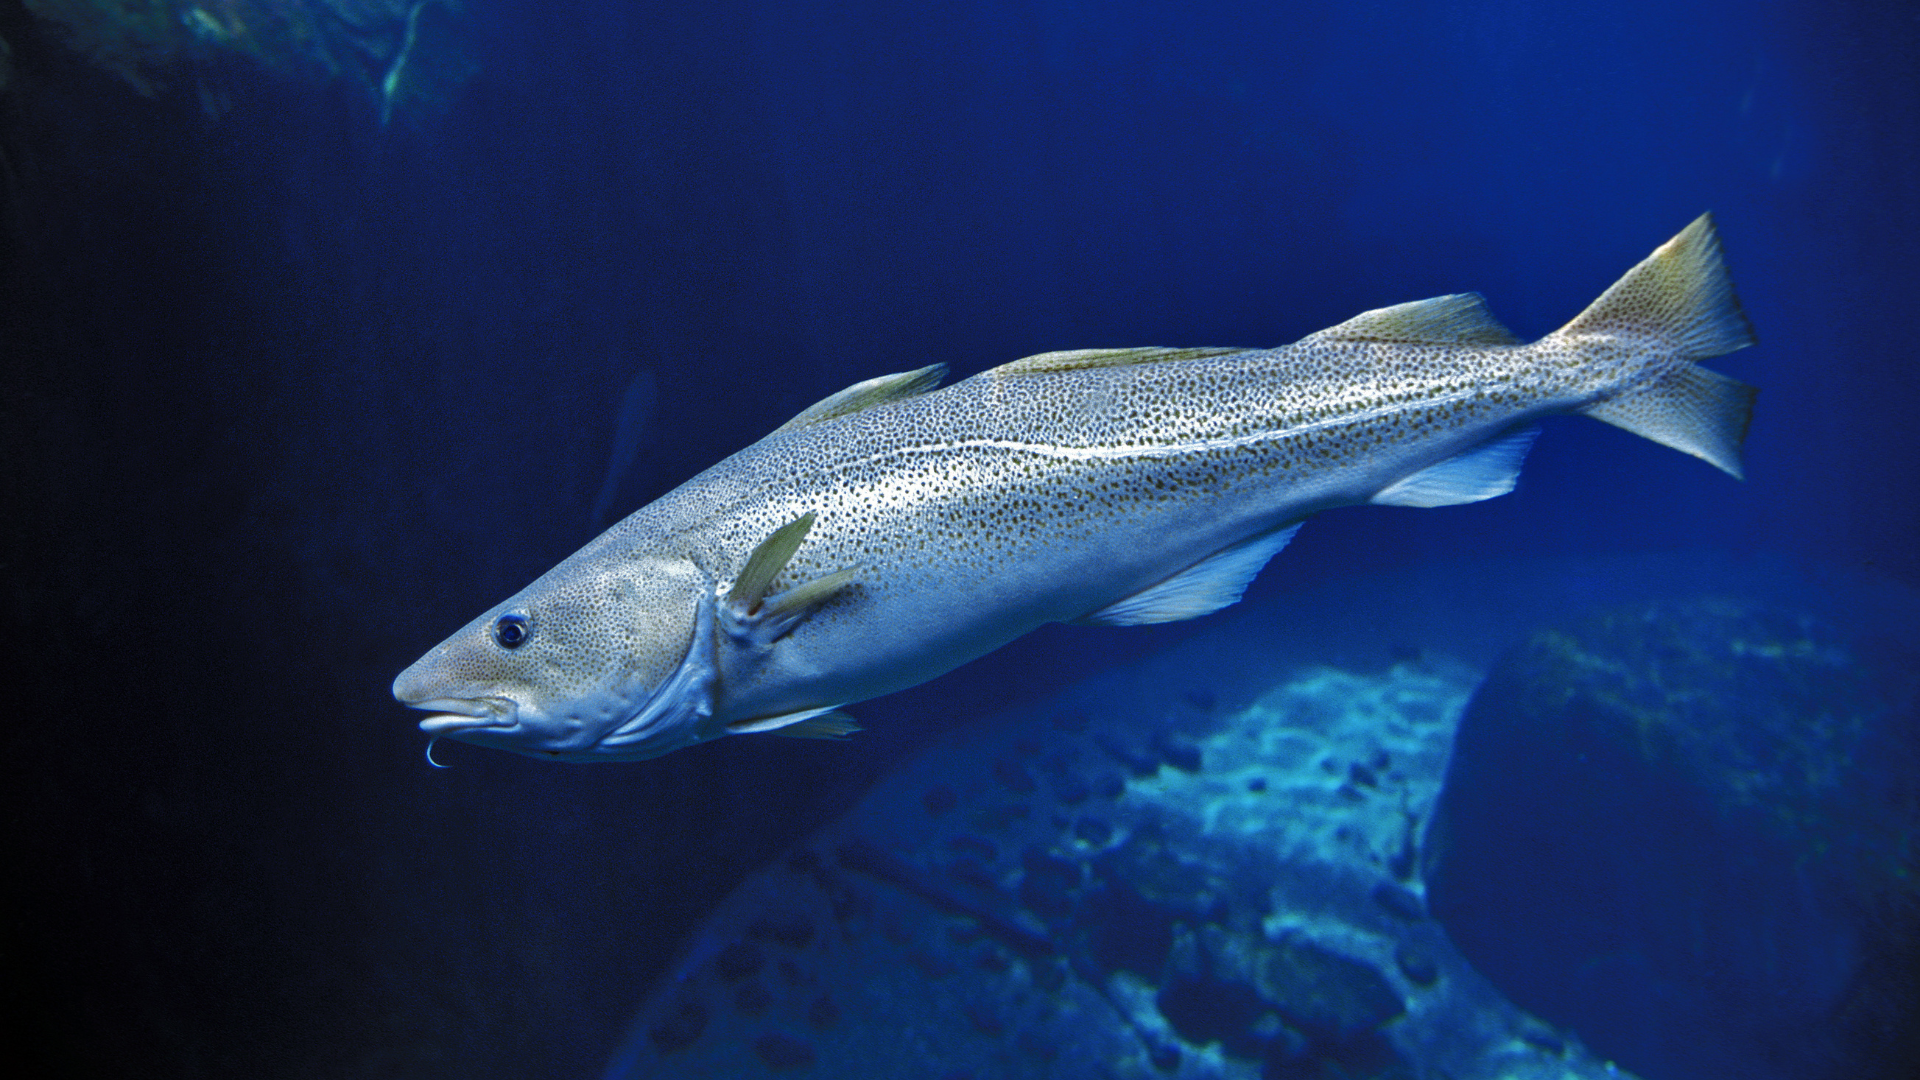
(1460, 319)
(1076, 359)
(865, 395)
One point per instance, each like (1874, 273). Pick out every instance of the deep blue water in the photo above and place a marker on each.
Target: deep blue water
(289, 396)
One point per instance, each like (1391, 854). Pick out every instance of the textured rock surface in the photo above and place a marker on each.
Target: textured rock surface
(1214, 892)
(914, 944)
(1686, 827)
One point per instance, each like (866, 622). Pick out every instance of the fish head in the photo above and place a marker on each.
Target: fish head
(599, 660)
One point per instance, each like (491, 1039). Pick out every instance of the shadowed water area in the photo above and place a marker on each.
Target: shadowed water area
(315, 343)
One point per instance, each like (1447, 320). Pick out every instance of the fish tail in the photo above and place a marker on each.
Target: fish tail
(1680, 302)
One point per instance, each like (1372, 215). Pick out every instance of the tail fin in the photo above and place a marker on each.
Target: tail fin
(1679, 299)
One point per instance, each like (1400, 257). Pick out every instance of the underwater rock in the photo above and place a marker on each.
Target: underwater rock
(1036, 1046)
(1326, 994)
(939, 799)
(1662, 824)
(1416, 965)
(751, 998)
(1093, 831)
(893, 870)
(782, 1052)
(738, 961)
(1127, 932)
(1398, 900)
(1013, 776)
(1368, 1056)
(792, 931)
(1047, 888)
(1139, 757)
(1198, 927)
(1149, 865)
(974, 873)
(979, 847)
(681, 1025)
(1180, 754)
(1070, 789)
(1206, 1009)
(985, 1018)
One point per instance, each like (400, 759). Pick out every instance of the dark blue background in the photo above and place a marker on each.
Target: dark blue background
(289, 397)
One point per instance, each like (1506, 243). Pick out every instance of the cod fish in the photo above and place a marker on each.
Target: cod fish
(893, 532)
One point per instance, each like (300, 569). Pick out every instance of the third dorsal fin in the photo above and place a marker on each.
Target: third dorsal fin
(1460, 319)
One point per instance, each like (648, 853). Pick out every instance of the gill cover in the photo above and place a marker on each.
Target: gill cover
(676, 713)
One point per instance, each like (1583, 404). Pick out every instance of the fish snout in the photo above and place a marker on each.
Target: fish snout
(429, 683)
(418, 687)
(416, 684)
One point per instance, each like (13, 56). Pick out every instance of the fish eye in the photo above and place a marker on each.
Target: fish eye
(511, 631)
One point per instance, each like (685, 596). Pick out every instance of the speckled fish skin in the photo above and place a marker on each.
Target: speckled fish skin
(1054, 489)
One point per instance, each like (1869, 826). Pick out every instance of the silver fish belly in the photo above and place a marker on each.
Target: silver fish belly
(893, 531)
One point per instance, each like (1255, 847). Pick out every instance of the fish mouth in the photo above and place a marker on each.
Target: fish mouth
(465, 714)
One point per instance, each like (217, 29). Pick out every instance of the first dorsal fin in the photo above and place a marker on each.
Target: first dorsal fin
(865, 395)
(1460, 319)
(1077, 359)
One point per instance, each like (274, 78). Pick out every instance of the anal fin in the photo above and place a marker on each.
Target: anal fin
(766, 561)
(1483, 472)
(1207, 586)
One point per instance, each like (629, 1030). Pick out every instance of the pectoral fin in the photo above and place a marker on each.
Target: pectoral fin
(749, 616)
(766, 562)
(1207, 586)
